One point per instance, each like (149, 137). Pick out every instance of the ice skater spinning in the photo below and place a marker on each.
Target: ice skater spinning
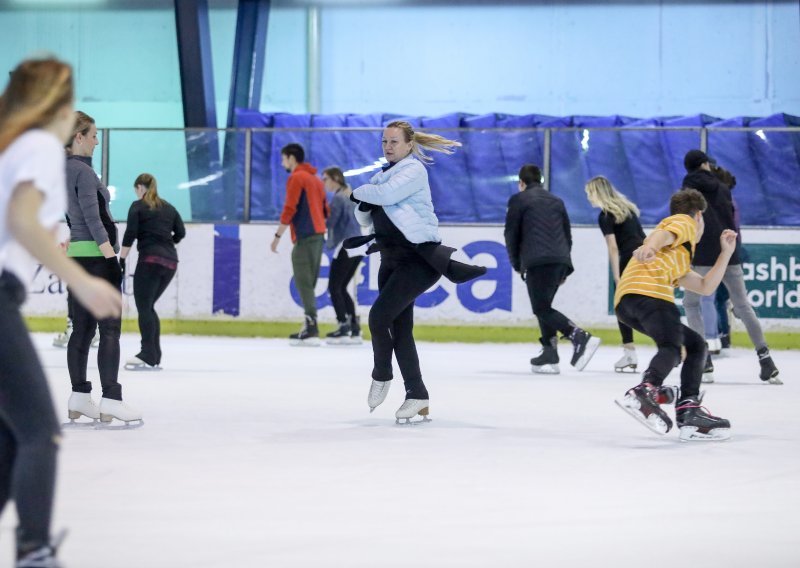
(397, 209)
(645, 301)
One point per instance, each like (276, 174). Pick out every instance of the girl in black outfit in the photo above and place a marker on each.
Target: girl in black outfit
(36, 118)
(158, 227)
(342, 225)
(619, 222)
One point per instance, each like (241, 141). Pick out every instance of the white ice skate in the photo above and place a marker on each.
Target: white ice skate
(412, 407)
(628, 362)
(136, 364)
(111, 409)
(377, 393)
(62, 339)
(81, 404)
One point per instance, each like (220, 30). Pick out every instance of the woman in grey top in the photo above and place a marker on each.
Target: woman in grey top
(94, 245)
(342, 225)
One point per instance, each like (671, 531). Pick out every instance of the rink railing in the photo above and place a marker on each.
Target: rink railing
(196, 158)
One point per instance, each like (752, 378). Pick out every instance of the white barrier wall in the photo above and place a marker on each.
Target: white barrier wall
(229, 271)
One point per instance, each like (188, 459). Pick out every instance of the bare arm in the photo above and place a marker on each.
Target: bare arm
(99, 297)
(706, 285)
(613, 256)
(124, 251)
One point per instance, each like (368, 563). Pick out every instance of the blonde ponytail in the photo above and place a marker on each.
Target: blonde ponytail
(421, 141)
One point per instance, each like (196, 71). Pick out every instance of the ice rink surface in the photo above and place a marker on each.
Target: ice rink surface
(255, 453)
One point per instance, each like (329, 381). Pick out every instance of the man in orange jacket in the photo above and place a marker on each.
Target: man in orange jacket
(304, 212)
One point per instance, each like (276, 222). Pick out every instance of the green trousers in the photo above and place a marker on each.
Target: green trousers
(306, 258)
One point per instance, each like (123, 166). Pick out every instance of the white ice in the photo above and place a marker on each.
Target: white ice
(255, 453)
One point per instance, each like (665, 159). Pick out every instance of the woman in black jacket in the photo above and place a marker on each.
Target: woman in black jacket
(157, 226)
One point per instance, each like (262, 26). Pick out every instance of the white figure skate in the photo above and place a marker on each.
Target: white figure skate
(412, 407)
(136, 364)
(628, 362)
(377, 393)
(62, 339)
(111, 409)
(81, 404)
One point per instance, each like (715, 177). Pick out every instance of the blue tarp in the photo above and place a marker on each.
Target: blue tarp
(474, 184)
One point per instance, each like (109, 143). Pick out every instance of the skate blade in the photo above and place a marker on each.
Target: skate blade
(74, 425)
(656, 425)
(626, 369)
(591, 348)
(312, 342)
(410, 422)
(145, 368)
(116, 424)
(692, 434)
(774, 381)
(549, 369)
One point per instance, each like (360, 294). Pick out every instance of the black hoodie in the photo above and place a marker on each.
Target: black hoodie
(718, 216)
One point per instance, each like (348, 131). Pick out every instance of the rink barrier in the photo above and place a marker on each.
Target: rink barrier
(221, 269)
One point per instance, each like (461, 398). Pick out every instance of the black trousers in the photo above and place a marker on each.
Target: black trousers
(543, 282)
(402, 278)
(29, 431)
(84, 325)
(661, 321)
(624, 330)
(149, 282)
(343, 268)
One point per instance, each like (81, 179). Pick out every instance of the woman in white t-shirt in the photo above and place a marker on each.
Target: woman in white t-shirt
(36, 118)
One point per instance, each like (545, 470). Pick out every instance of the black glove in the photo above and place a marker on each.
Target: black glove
(122, 266)
(524, 275)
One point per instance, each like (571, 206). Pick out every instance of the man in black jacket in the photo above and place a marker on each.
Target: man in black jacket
(718, 216)
(539, 241)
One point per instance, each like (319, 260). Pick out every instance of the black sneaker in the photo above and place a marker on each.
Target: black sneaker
(641, 402)
(708, 370)
(355, 329)
(769, 372)
(44, 556)
(546, 362)
(696, 423)
(725, 340)
(584, 345)
(308, 334)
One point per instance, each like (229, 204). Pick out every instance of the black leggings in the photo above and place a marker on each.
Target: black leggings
(402, 278)
(624, 330)
(149, 282)
(342, 270)
(661, 321)
(83, 329)
(543, 282)
(29, 431)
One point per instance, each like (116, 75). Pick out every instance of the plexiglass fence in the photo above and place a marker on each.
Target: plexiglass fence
(235, 175)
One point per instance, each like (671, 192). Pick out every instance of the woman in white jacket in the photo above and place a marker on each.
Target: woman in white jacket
(396, 206)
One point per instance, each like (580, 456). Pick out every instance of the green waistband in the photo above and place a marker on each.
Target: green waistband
(83, 248)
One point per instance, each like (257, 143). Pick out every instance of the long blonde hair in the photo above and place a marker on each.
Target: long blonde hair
(36, 91)
(421, 141)
(150, 197)
(603, 194)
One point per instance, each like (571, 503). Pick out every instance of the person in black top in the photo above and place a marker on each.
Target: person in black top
(539, 241)
(717, 217)
(157, 226)
(619, 222)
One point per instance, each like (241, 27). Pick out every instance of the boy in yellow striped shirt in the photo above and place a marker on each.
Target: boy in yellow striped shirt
(645, 301)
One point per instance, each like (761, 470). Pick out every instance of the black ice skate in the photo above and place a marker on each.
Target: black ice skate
(348, 333)
(308, 334)
(546, 362)
(769, 372)
(708, 370)
(584, 345)
(44, 556)
(697, 424)
(642, 402)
